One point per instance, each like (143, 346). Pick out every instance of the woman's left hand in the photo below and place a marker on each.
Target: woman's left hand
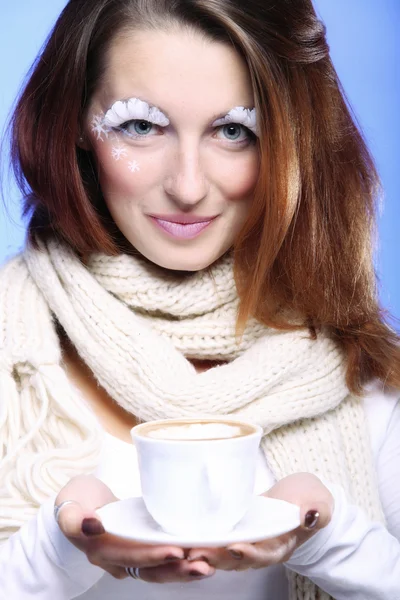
(316, 509)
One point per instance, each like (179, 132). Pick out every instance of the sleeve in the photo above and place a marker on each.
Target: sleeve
(38, 561)
(389, 474)
(354, 558)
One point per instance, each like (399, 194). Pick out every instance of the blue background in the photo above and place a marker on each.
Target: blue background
(363, 37)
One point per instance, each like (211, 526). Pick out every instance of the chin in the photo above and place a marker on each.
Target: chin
(170, 261)
(183, 265)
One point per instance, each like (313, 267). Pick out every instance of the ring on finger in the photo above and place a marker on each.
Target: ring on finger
(58, 507)
(133, 572)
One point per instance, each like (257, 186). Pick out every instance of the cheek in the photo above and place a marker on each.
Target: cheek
(122, 170)
(237, 178)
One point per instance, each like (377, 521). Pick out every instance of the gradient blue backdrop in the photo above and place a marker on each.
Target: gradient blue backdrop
(363, 36)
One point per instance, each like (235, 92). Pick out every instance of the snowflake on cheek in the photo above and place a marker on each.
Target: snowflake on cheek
(134, 166)
(99, 128)
(118, 153)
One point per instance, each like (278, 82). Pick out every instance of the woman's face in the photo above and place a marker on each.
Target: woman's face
(176, 172)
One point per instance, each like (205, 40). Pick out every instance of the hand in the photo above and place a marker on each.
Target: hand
(316, 509)
(82, 526)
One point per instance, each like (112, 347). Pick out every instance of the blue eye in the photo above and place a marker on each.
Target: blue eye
(232, 131)
(142, 127)
(136, 127)
(235, 132)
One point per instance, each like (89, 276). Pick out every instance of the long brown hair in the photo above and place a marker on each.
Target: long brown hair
(308, 243)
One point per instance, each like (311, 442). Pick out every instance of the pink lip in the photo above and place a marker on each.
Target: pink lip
(182, 230)
(183, 219)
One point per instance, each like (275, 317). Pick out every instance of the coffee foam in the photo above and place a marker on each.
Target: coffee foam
(207, 430)
(197, 431)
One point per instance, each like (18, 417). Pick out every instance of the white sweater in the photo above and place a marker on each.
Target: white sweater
(351, 559)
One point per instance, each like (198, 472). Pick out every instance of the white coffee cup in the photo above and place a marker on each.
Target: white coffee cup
(197, 475)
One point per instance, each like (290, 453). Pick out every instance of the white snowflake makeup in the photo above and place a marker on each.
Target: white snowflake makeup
(240, 115)
(133, 166)
(117, 153)
(121, 112)
(134, 109)
(99, 128)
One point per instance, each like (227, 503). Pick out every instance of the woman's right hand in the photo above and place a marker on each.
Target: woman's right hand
(81, 525)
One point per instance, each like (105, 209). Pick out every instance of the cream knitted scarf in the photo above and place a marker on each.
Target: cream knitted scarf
(136, 325)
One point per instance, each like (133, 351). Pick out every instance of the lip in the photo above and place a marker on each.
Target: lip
(182, 227)
(183, 219)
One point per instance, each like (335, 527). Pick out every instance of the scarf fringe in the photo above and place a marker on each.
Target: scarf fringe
(301, 588)
(43, 436)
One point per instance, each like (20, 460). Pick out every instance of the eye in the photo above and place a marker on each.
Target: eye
(235, 132)
(137, 127)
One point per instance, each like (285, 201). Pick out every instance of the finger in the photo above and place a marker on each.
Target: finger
(314, 516)
(172, 572)
(305, 490)
(116, 572)
(182, 571)
(212, 556)
(221, 558)
(87, 493)
(242, 557)
(111, 550)
(314, 499)
(262, 554)
(209, 555)
(70, 520)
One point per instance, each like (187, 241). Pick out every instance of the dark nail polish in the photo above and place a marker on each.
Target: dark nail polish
(311, 519)
(196, 574)
(235, 554)
(92, 526)
(171, 558)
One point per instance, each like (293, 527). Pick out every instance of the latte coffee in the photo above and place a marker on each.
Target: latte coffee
(196, 430)
(197, 475)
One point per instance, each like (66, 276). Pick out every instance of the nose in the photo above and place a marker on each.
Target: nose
(186, 183)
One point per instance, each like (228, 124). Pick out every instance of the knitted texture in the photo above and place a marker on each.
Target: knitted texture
(136, 325)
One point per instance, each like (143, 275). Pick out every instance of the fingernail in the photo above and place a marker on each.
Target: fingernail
(92, 526)
(172, 557)
(197, 574)
(311, 519)
(236, 554)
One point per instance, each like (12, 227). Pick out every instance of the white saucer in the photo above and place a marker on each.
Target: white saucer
(266, 518)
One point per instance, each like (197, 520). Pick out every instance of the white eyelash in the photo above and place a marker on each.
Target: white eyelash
(244, 116)
(122, 111)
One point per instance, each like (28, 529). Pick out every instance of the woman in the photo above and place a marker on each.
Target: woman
(201, 209)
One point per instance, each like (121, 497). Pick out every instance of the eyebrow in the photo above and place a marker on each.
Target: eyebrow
(214, 117)
(224, 114)
(134, 98)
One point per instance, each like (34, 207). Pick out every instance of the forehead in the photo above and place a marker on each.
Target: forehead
(178, 71)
